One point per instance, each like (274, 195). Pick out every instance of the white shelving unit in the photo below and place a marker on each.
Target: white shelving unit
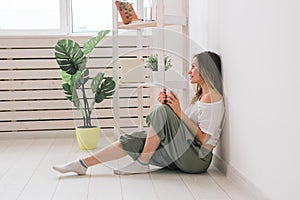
(158, 39)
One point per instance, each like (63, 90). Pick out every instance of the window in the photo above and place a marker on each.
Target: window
(47, 17)
(31, 16)
(16, 14)
(91, 15)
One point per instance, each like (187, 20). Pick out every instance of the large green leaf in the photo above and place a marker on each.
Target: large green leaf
(97, 81)
(85, 75)
(92, 43)
(65, 76)
(71, 94)
(69, 56)
(76, 80)
(105, 90)
(75, 99)
(67, 90)
(80, 78)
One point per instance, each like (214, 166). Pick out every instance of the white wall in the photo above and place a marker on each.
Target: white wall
(259, 44)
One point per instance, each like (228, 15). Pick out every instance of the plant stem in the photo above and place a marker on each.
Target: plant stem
(87, 118)
(91, 108)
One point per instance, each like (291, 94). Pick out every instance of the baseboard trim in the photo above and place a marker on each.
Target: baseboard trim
(235, 176)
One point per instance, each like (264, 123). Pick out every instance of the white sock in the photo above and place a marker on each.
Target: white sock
(137, 167)
(74, 166)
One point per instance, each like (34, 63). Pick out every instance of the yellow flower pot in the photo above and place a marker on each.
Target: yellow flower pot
(87, 137)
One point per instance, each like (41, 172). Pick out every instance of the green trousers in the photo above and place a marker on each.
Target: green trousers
(178, 148)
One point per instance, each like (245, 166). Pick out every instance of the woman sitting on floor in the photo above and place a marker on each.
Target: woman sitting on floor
(175, 139)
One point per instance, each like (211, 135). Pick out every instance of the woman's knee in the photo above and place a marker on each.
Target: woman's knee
(163, 107)
(163, 111)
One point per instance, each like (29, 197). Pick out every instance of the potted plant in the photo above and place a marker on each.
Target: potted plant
(153, 60)
(152, 63)
(72, 60)
(126, 11)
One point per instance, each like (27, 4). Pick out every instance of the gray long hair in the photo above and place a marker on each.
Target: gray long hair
(210, 70)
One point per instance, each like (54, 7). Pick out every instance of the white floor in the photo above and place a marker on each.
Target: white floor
(25, 173)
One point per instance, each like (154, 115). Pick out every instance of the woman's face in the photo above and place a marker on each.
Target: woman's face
(194, 73)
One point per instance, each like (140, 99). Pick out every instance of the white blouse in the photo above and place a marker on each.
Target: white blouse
(209, 117)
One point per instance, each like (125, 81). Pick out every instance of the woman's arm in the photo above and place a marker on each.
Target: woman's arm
(174, 103)
(200, 135)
